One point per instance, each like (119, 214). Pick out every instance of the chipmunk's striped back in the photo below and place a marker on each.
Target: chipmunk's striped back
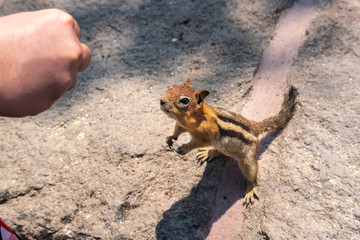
(234, 125)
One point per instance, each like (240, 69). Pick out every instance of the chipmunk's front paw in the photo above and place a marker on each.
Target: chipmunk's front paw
(169, 141)
(207, 155)
(182, 150)
(250, 195)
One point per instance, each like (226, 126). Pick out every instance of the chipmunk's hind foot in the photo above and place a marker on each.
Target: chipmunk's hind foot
(251, 194)
(207, 155)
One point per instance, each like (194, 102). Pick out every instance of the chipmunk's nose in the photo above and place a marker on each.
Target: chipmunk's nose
(162, 102)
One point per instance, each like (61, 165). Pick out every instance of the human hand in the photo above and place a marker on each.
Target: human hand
(40, 56)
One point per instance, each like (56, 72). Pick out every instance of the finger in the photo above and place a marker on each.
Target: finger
(77, 29)
(85, 58)
(73, 82)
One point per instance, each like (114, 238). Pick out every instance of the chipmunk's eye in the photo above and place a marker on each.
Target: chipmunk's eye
(184, 100)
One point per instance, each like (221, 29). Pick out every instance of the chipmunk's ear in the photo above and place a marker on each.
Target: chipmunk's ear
(187, 82)
(201, 95)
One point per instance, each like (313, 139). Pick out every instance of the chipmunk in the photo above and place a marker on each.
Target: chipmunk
(226, 132)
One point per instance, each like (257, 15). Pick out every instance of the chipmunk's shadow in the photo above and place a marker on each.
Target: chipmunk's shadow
(192, 217)
(266, 141)
(187, 218)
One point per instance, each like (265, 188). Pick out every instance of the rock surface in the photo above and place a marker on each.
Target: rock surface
(310, 181)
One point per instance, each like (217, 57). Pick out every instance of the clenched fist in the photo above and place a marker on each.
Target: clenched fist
(40, 56)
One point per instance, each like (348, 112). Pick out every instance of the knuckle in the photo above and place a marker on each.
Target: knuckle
(65, 83)
(68, 19)
(76, 52)
(60, 16)
(72, 52)
(64, 17)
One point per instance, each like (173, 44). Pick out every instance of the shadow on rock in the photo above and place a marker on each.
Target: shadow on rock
(266, 141)
(221, 186)
(188, 218)
(230, 191)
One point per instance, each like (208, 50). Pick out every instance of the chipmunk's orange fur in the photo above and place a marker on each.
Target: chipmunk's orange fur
(227, 132)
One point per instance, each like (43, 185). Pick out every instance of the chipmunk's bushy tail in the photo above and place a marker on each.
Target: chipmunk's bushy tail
(281, 120)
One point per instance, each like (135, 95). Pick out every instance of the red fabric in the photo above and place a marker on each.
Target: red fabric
(6, 233)
(2, 224)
